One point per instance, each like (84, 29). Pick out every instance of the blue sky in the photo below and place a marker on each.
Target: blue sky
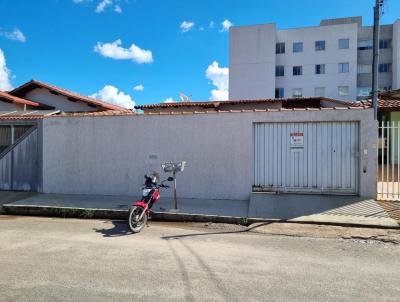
(61, 36)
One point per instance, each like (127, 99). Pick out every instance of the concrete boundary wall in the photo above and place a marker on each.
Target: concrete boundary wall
(109, 155)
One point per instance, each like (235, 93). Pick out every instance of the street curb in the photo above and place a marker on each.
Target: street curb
(90, 213)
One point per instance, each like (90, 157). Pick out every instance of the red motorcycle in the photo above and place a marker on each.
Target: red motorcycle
(140, 211)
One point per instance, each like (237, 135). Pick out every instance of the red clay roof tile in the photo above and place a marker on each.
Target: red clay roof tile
(21, 90)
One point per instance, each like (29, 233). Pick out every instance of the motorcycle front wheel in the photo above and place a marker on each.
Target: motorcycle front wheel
(134, 224)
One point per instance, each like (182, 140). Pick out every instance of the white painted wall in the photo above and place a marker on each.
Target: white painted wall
(60, 102)
(396, 55)
(5, 106)
(252, 62)
(110, 155)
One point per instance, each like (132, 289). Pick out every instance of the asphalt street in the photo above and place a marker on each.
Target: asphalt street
(48, 259)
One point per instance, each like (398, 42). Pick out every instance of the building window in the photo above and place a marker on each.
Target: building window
(385, 67)
(320, 69)
(297, 70)
(319, 45)
(279, 93)
(365, 44)
(280, 71)
(386, 88)
(280, 47)
(385, 43)
(319, 91)
(361, 68)
(343, 67)
(344, 43)
(363, 91)
(343, 90)
(298, 47)
(297, 92)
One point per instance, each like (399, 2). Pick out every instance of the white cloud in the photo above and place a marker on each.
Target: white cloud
(115, 51)
(139, 87)
(117, 9)
(201, 28)
(5, 74)
(169, 100)
(16, 35)
(81, 1)
(103, 5)
(226, 24)
(219, 77)
(186, 26)
(212, 24)
(112, 95)
(219, 95)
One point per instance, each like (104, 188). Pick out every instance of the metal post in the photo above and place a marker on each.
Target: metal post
(375, 58)
(175, 199)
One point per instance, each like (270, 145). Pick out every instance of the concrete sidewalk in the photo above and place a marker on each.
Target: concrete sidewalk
(356, 212)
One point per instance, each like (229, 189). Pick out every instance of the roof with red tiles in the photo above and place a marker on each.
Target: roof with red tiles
(392, 94)
(7, 97)
(170, 113)
(216, 104)
(33, 84)
(388, 101)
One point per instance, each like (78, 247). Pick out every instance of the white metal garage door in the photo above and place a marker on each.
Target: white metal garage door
(319, 157)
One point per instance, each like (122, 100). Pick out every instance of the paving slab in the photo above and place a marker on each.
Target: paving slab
(336, 210)
(233, 208)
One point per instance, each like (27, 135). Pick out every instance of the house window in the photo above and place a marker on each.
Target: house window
(297, 92)
(363, 91)
(362, 68)
(319, 45)
(343, 67)
(343, 90)
(320, 69)
(280, 47)
(280, 71)
(298, 47)
(385, 43)
(297, 70)
(279, 93)
(365, 44)
(319, 91)
(385, 67)
(344, 43)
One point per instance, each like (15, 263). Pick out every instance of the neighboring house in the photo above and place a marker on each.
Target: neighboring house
(39, 96)
(10, 102)
(21, 108)
(332, 60)
(265, 104)
(389, 106)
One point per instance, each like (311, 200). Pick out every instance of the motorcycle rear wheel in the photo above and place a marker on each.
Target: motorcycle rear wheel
(135, 225)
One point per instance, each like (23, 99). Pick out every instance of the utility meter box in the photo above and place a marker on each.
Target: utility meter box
(173, 166)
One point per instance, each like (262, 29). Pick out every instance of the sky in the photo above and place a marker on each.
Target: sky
(145, 51)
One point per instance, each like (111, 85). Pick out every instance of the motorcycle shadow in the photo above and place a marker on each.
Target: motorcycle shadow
(120, 228)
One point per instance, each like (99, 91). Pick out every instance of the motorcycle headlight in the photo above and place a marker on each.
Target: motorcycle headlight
(145, 192)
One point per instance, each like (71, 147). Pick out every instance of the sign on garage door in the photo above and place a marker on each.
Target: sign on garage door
(319, 157)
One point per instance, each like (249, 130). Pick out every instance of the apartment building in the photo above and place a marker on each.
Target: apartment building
(333, 60)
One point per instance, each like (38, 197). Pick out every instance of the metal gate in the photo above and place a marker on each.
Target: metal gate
(19, 168)
(311, 157)
(388, 161)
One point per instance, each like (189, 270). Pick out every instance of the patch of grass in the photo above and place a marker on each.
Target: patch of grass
(74, 212)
